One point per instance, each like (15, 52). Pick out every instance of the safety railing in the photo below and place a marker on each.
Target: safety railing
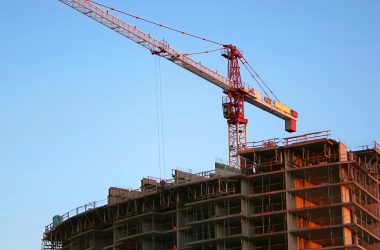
(320, 200)
(314, 181)
(268, 143)
(367, 245)
(319, 222)
(298, 162)
(272, 247)
(307, 137)
(259, 189)
(158, 184)
(272, 228)
(132, 230)
(337, 242)
(74, 212)
(373, 227)
(268, 208)
(203, 235)
(276, 142)
(362, 163)
(373, 208)
(233, 210)
(310, 243)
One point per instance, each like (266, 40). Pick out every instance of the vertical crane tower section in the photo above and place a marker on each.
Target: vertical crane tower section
(236, 93)
(233, 106)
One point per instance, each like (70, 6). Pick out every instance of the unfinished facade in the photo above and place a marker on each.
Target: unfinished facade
(304, 192)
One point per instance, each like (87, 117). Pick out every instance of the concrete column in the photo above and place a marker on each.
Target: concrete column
(180, 222)
(291, 221)
(342, 152)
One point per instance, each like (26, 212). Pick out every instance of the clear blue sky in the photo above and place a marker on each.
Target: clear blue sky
(78, 105)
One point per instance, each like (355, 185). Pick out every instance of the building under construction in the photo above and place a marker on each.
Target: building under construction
(304, 192)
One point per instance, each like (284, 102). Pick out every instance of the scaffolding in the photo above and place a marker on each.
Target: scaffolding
(303, 192)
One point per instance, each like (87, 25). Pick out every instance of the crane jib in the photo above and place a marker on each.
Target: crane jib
(161, 48)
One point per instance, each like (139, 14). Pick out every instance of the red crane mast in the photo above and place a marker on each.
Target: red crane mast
(236, 92)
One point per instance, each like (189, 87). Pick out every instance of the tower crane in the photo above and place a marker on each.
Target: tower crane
(236, 92)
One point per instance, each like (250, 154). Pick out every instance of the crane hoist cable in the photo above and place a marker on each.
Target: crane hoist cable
(162, 116)
(157, 117)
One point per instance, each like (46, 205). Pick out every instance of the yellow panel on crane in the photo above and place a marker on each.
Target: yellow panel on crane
(283, 107)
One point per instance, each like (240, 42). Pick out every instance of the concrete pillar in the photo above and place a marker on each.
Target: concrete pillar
(291, 220)
(345, 194)
(342, 152)
(179, 223)
(347, 236)
(247, 245)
